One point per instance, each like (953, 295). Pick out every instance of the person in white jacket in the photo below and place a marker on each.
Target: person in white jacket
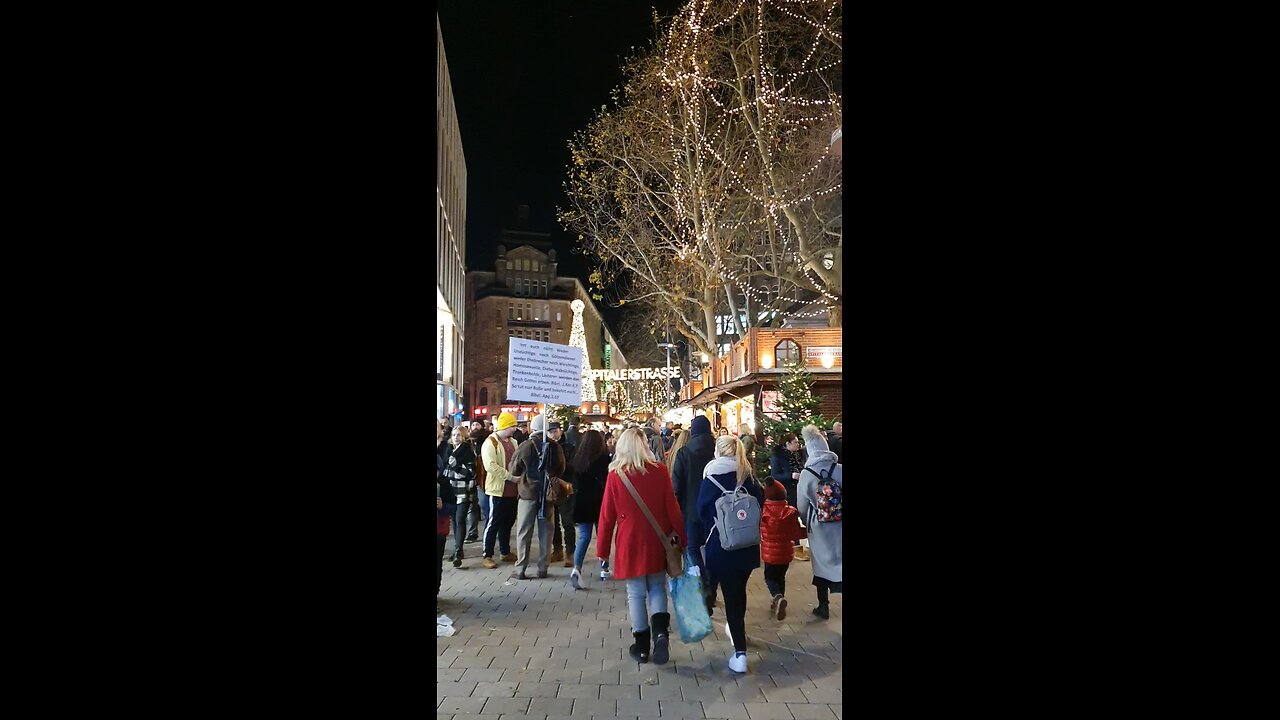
(826, 539)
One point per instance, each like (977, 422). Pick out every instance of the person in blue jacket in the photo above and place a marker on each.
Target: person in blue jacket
(730, 569)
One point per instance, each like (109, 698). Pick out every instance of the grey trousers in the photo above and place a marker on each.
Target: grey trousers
(526, 516)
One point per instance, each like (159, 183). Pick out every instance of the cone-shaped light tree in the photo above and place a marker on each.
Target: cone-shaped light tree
(578, 339)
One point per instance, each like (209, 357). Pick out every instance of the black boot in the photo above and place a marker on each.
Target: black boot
(661, 625)
(640, 650)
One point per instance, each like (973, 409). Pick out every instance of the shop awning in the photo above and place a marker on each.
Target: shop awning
(710, 394)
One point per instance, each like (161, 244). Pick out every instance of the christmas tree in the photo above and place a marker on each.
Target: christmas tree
(578, 339)
(796, 393)
(797, 407)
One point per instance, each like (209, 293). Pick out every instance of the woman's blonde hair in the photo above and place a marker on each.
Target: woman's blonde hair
(464, 432)
(730, 446)
(631, 453)
(682, 439)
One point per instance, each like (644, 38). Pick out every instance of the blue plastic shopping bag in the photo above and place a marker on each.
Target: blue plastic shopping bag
(690, 605)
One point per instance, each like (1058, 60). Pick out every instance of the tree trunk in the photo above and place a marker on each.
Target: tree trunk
(835, 318)
(733, 310)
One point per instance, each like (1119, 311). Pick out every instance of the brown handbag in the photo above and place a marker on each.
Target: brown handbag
(675, 558)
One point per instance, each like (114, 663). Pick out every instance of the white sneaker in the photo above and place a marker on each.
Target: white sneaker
(738, 662)
(575, 579)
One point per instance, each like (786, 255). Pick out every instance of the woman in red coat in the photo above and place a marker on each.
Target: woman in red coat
(641, 558)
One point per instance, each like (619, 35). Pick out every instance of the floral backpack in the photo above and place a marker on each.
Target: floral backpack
(829, 505)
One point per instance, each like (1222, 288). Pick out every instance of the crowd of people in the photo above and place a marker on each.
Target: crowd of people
(652, 484)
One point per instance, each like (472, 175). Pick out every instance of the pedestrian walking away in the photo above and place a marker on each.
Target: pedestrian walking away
(821, 493)
(534, 510)
(681, 440)
(640, 557)
(563, 538)
(748, 442)
(726, 475)
(785, 467)
(444, 513)
(479, 514)
(590, 469)
(686, 475)
(779, 526)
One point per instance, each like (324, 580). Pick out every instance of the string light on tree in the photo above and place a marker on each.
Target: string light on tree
(578, 339)
(714, 176)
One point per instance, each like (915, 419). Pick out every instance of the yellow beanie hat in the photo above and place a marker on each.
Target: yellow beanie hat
(506, 420)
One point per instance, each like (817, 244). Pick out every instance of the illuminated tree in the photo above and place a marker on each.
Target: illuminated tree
(578, 339)
(797, 406)
(711, 179)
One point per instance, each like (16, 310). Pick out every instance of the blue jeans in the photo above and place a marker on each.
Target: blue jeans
(584, 539)
(654, 587)
(502, 516)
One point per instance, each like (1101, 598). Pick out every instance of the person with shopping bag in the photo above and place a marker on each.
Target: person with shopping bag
(637, 496)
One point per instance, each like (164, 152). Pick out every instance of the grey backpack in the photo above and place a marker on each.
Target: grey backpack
(737, 518)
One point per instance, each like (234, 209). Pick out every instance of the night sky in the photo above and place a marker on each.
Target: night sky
(527, 75)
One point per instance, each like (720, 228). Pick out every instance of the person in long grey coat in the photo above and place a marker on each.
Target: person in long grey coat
(826, 539)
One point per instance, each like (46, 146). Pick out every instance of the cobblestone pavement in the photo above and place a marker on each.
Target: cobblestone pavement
(539, 649)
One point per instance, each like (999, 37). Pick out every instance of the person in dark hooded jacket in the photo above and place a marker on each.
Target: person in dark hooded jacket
(686, 476)
(445, 507)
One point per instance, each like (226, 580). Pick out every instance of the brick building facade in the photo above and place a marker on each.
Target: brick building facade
(524, 297)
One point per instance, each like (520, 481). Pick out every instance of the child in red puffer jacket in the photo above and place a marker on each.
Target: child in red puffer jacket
(779, 527)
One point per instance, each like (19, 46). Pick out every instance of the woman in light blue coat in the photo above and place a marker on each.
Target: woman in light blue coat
(825, 538)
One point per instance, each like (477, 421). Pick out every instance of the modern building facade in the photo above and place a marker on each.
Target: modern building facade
(451, 242)
(524, 297)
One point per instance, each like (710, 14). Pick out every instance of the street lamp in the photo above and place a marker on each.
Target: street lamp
(667, 345)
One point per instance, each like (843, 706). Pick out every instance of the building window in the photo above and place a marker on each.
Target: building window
(786, 352)
(544, 288)
(511, 311)
(484, 396)
(557, 316)
(509, 265)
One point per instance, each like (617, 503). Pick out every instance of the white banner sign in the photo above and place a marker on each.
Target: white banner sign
(544, 372)
(814, 352)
